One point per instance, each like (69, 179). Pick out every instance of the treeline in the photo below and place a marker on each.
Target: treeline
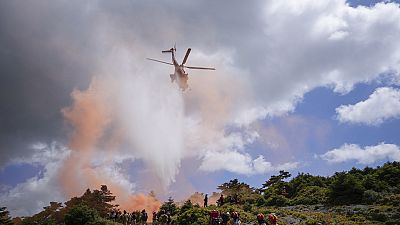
(92, 208)
(368, 186)
(379, 185)
(357, 186)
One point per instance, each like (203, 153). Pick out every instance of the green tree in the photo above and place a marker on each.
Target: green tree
(238, 192)
(390, 173)
(5, 218)
(187, 205)
(81, 215)
(97, 199)
(302, 181)
(194, 216)
(345, 189)
(276, 179)
(310, 195)
(169, 207)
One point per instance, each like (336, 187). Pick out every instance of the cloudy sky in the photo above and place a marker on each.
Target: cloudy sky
(301, 85)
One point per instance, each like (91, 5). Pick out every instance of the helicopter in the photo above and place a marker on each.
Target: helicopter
(180, 76)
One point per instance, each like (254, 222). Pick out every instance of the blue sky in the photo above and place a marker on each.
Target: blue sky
(305, 86)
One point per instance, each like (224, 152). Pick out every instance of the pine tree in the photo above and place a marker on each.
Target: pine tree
(169, 207)
(5, 218)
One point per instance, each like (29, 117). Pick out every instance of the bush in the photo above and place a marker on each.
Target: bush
(260, 201)
(310, 195)
(277, 200)
(371, 197)
(393, 199)
(194, 216)
(247, 207)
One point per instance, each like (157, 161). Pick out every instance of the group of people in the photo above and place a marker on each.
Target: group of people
(224, 218)
(134, 218)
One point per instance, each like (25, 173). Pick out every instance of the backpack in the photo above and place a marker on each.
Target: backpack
(272, 218)
(260, 218)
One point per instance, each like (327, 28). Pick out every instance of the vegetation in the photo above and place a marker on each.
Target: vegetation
(358, 196)
(5, 217)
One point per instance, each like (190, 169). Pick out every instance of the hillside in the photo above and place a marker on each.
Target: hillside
(358, 196)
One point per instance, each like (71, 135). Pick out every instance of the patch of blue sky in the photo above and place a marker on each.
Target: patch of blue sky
(321, 103)
(12, 175)
(355, 3)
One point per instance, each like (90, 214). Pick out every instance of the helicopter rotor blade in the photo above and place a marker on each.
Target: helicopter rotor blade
(155, 60)
(186, 56)
(199, 68)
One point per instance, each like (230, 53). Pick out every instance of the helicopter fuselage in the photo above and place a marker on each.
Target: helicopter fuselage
(179, 76)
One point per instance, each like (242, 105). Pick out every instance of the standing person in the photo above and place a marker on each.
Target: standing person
(235, 218)
(113, 215)
(154, 217)
(225, 218)
(214, 217)
(221, 200)
(206, 201)
(143, 217)
(133, 218)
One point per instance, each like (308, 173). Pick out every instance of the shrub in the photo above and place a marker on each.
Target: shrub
(194, 216)
(371, 197)
(277, 200)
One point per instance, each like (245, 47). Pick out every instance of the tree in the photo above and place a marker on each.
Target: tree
(345, 189)
(237, 192)
(187, 205)
(81, 215)
(169, 207)
(302, 181)
(97, 199)
(276, 179)
(194, 216)
(5, 218)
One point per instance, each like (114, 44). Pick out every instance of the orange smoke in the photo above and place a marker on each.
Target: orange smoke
(91, 118)
(139, 202)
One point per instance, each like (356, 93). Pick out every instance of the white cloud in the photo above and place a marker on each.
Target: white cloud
(230, 154)
(367, 155)
(324, 43)
(381, 105)
(30, 196)
(241, 163)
